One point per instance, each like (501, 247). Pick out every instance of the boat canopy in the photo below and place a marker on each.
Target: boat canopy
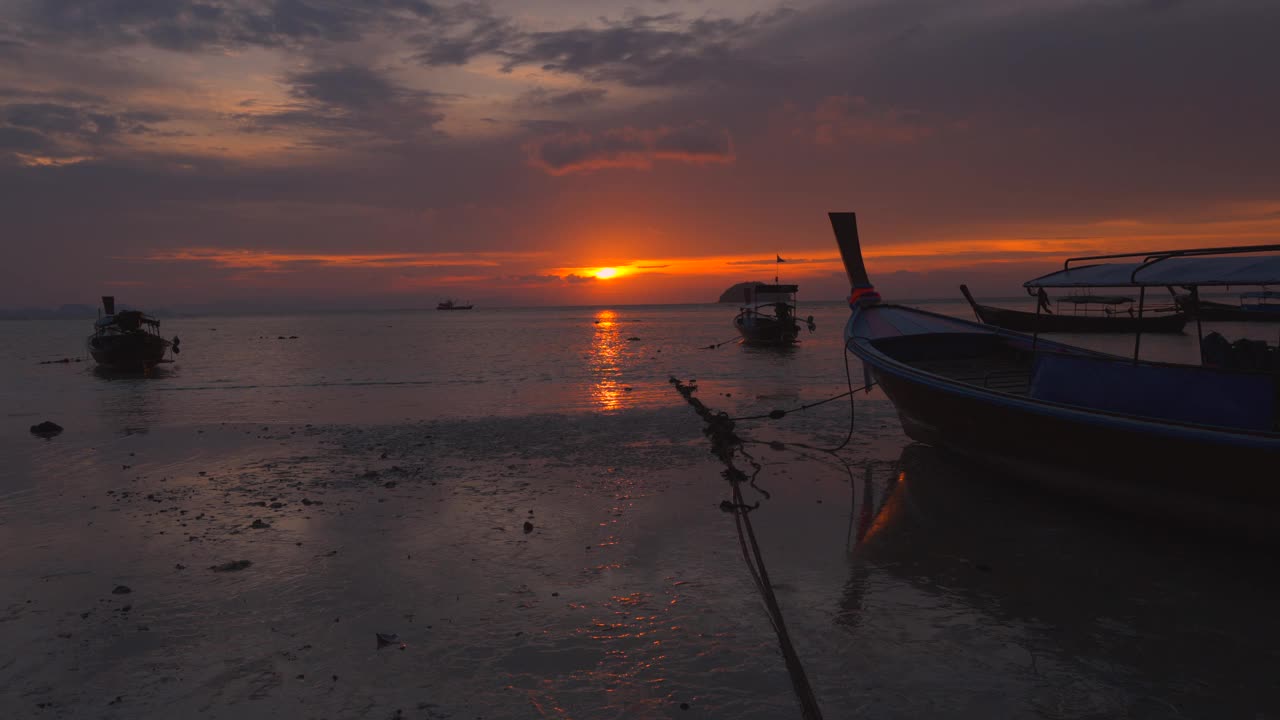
(126, 319)
(1097, 299)
(1262, 294)
(1167, 270)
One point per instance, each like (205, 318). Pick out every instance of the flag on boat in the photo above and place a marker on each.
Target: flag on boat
(779, 257)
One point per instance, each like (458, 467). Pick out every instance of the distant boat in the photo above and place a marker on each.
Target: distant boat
(1133, 432)
(451, 305)
(1086, 314)
(768, 315)
(1256, 306)
(128, 340)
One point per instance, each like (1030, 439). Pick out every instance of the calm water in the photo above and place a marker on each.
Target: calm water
(378, 470)
(393, 366)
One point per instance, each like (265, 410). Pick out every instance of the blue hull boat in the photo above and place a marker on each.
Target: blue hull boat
(1142, 434)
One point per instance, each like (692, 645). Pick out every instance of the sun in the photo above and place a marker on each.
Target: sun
(606, 273)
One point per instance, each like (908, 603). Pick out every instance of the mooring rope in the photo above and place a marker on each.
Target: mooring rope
(735, 338)
(724, 444)
(779, 414)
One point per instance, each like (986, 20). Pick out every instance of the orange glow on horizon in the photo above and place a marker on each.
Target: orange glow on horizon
(667, 275)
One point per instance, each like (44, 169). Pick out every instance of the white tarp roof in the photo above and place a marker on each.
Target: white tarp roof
(1234, 270)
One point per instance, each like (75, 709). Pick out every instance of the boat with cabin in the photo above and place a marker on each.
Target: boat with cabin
(128, 340)
(1253, 306)
(1080, 313)
(1201, 442)
(768, 315)
(451, 305)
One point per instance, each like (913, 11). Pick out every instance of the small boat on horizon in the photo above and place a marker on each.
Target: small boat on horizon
(1196, 442)
(451, 305)
(128, 340)
(1086, 313)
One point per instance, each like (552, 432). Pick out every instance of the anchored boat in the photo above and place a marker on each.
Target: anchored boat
(1085, 313)
(768, 315)
(128, 340)
(1150, 434)
(451, 305)
(1254, 306)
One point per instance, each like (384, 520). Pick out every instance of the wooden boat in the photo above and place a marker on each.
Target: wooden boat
(1257, 306)
(128, 340)
(1118, 428)
(1087, 314)
(768, 315)
(451, 305)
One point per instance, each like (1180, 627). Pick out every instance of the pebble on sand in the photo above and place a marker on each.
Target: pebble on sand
(528, 527)
(121, 590)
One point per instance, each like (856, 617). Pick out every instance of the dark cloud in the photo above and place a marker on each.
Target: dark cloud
(567, 100)
(69, 95)
(582, 151)
(21, 140)
(548, 126)
(193, 25)
(646, 50)
(575, 279)
(347, 101)
(533, 279)
(48, 117)
(693, 143)
(641, 50)
(458, 33)
(59, 130)
(840, 119)
(86, 124)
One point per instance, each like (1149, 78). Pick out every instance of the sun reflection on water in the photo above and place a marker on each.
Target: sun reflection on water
(607, 349)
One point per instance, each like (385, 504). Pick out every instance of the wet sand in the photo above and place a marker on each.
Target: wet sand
(912, 587)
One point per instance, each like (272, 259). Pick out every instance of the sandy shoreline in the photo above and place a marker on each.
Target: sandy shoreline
(626, 599)
(412, 530)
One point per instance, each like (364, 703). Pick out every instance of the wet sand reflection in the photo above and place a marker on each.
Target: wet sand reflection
(1070, 610)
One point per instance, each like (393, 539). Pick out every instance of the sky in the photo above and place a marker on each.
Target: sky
(391, 153)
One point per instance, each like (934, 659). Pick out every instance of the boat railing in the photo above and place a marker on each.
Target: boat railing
(1149, 257)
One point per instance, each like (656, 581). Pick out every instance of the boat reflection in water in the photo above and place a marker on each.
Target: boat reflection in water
(993, 598)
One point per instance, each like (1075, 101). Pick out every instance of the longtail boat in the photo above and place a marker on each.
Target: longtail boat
(1086, 313)
(1126, 430)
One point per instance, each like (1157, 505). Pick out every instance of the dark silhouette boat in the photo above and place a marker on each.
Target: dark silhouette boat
(768, 315)
(1084, 314)
(451, 305)
(1119, 428)
(1255, 306)
(128, 340)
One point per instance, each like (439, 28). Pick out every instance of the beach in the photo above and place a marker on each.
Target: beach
(416, 543)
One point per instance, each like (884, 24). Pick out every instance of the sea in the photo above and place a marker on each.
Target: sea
(511, 513)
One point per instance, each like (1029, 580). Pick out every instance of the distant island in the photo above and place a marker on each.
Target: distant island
(734, 294)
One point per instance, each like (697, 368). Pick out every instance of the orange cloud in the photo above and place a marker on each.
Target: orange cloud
(273, 261)
(637, 149)
(845, 118)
